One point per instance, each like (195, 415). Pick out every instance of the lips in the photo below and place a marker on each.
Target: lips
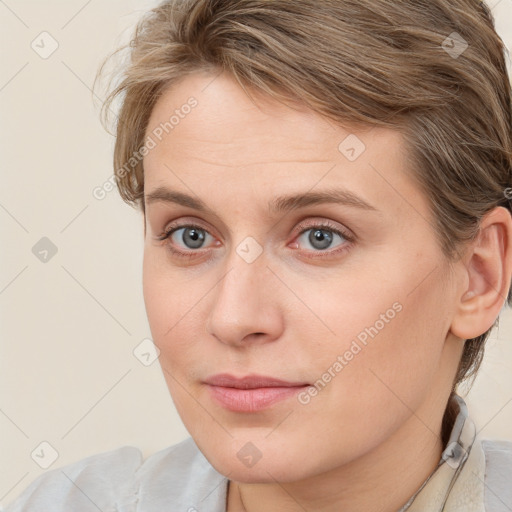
(250, 382)
(251, 393)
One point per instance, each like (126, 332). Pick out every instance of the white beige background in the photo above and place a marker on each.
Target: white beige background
(68, 375)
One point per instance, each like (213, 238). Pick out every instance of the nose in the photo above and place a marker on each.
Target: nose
(245, 304)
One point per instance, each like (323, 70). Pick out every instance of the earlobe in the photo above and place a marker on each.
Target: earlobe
(488, 271)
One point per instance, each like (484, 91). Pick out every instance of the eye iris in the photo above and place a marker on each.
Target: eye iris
(194, 239)
(318, 235)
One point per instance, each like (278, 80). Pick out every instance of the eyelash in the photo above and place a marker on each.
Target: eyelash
(326, 225)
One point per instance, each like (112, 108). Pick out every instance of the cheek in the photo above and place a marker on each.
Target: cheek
(163, 300)
(384, 340)
(173, 306)
(388, 366)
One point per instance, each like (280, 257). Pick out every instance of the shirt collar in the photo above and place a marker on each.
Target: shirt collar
(459, 474)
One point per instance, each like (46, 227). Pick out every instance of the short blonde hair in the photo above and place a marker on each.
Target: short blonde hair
(433, 69)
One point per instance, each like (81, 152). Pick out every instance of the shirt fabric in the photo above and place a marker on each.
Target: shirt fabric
(473, 475)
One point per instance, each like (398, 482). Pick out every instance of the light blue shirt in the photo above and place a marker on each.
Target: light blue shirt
(473, 475)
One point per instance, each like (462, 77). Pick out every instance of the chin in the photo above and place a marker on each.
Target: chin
(256, 461)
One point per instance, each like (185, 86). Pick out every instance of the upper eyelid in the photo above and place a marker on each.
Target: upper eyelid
(327, 224)
(304, 226)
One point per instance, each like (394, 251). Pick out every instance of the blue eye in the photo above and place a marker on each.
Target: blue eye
(321, 238)
(193, 237)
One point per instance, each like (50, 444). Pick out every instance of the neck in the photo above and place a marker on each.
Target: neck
(382, 479)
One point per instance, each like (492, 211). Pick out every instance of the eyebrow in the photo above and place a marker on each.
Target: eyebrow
(280, 204)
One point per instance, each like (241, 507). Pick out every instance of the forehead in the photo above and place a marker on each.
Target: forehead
(225, 119)
(263, 145)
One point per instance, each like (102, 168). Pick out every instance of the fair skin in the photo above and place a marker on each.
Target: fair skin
(371, 436)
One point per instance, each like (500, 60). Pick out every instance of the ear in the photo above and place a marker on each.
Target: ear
(488, 270)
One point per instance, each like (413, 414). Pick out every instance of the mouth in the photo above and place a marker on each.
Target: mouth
(251, 393)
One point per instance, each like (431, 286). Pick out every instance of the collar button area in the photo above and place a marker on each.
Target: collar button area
(454, 455)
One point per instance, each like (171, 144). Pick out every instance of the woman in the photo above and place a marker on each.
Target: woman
(328, 243)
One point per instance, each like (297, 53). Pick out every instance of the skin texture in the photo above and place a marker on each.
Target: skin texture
(371, 436)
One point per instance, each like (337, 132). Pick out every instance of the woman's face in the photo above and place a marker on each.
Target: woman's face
(349, 300)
